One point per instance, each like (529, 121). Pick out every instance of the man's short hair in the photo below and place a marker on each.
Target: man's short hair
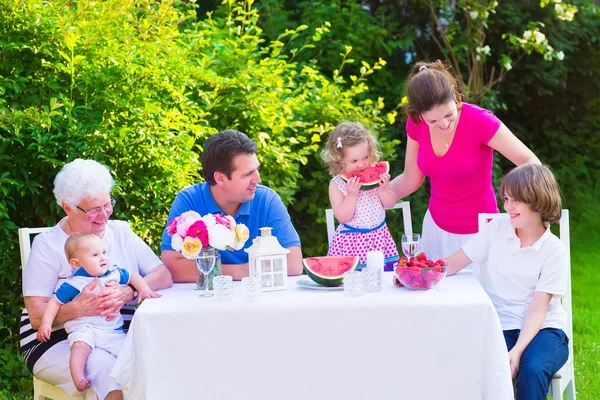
(221, 149)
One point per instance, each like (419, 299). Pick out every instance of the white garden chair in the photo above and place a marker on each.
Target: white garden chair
(41, 389)
(564, 379)
(405, 206)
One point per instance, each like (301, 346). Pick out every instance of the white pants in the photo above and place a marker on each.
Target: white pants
(53, 367)
(110, 340)
(437, 243)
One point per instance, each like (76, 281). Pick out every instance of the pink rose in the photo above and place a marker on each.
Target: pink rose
(223, 220)
(199, 231)
(172, 227)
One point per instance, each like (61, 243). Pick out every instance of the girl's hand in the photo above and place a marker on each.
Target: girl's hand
(353, 186)
(385, 182)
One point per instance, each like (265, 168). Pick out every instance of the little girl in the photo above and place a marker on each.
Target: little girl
(361, 213)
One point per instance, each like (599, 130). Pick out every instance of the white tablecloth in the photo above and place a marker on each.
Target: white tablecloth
(444, 343)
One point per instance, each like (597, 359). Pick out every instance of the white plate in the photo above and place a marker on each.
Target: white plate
(308, 284)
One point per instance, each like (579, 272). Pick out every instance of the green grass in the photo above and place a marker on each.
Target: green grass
(585, 275)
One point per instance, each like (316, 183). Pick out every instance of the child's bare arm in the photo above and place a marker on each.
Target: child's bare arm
(43, 333)
(457, 261)
(144, 291)
(344, 205)
(387, 197)
(534, 318)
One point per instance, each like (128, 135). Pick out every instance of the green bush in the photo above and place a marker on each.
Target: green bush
(138, 85)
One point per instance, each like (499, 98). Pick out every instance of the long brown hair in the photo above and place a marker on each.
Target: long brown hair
(429, 85)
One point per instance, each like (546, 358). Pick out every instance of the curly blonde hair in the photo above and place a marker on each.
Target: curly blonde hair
(350, 134)
(536, 186)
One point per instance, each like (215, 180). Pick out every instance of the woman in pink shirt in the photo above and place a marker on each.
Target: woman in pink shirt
(452, 143)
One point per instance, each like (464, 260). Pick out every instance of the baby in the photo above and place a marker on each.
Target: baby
(87, 256)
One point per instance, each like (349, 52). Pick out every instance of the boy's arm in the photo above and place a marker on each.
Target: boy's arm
(43, 333)
(534, 318)
(457, 261)
(144, 290)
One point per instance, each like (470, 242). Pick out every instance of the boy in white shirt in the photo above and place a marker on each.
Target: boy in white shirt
(527, 275)
(87, 255)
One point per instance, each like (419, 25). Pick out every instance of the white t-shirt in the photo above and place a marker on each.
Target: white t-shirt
(516, 273)
(47, 268)
(73, 286)
(48, 262)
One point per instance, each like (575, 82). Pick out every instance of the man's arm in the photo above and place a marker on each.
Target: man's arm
(159, 278)
(180, 268)
(294, 261)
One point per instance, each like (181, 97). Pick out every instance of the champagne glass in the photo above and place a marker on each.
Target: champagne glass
(205, 262)
(411, 244)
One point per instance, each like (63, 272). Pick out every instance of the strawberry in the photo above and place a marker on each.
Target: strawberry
(402, 261)
(422, 257)
(412, 261)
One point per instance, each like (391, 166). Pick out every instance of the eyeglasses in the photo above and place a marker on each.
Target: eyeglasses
(94, 212)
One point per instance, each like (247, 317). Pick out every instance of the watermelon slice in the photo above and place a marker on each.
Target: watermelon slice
(369, 177)
(329, 271)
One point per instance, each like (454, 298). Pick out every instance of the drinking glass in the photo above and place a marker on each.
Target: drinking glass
(411, 244)
(205, 262)
(252, 288)
(223, 287)
(353, 283)
(372, 279)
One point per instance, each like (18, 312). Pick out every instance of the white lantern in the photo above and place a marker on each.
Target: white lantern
(268, 261)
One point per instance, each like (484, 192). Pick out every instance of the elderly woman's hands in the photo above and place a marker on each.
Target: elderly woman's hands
(106, 302)
(113, 297)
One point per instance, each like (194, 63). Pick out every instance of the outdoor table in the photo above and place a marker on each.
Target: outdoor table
(443, 343)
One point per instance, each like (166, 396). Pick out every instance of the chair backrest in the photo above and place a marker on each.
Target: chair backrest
(564, 235)
(406, 218)
(25, 241)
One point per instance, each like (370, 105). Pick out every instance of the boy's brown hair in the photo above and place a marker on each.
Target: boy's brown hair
(536, 186)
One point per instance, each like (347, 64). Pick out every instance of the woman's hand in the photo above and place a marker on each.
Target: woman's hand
(396, 281)
(88, 302)
(353, 186)
(112, 299)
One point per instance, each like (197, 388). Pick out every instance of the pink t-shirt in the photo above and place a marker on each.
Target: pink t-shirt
(461, 180)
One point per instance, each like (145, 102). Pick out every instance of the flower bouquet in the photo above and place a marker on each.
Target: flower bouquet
(192, 233)
(419, 272)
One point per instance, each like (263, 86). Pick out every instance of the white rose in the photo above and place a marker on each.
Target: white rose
(220, 237)
(176, 242)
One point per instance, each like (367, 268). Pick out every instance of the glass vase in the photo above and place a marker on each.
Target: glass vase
(215, 272)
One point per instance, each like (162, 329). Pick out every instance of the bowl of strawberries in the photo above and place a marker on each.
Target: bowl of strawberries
(420, 272)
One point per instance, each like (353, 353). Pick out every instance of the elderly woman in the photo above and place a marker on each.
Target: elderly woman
(82, 188)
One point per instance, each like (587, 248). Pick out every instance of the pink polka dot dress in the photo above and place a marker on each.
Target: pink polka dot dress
(366, 231)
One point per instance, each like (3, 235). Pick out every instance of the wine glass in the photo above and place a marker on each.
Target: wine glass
(205, 262)
(411, 244)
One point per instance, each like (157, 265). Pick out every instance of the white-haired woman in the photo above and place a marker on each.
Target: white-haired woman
(82, 188)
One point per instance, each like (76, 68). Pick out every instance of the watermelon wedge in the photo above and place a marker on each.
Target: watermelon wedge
(369, 177)
(329, 271)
